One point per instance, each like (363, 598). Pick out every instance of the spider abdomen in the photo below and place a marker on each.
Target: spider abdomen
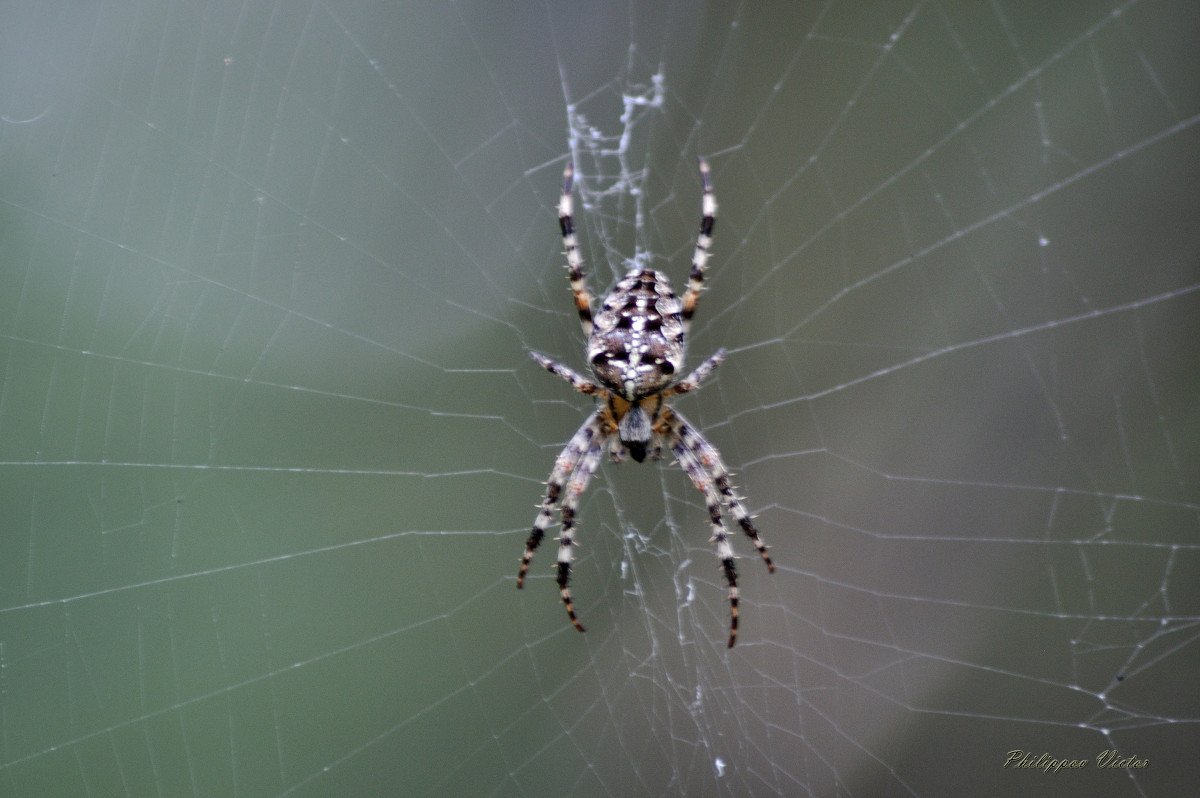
(637, 344)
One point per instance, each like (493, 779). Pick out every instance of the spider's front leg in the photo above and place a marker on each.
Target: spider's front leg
(713, 466)
(575, 488)
(703, 465)
(568, 459)
(568, 480)
(712, 499)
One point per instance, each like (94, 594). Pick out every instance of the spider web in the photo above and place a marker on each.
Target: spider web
(270, 440)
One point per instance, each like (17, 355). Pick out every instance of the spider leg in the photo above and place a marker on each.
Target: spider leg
(578, 381)
(708, 217)
(711, 460)
(583, 439)
(575, 272)
(575, 487)
(703, 465)
(712, 499)
(692, 381)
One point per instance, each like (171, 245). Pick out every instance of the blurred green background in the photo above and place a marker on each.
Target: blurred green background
(270, 440)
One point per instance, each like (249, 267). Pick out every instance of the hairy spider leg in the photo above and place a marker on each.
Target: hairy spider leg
(576, 485)
(692, 381)
(708, 217)
(575, 271)
(710, 459)
(577, 380)
(720, 538)
(704, 468)
(566, 462)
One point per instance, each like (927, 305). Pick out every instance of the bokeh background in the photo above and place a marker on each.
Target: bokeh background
(270, 439)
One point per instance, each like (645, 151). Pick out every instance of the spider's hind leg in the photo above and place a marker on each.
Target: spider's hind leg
(575, 272)
(708, 218)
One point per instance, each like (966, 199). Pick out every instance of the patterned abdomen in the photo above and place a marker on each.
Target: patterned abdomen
(637, 346)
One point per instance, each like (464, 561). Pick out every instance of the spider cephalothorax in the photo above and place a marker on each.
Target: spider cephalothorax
(635, 346)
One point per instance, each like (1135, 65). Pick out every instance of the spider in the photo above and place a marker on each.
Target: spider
(635, 347)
